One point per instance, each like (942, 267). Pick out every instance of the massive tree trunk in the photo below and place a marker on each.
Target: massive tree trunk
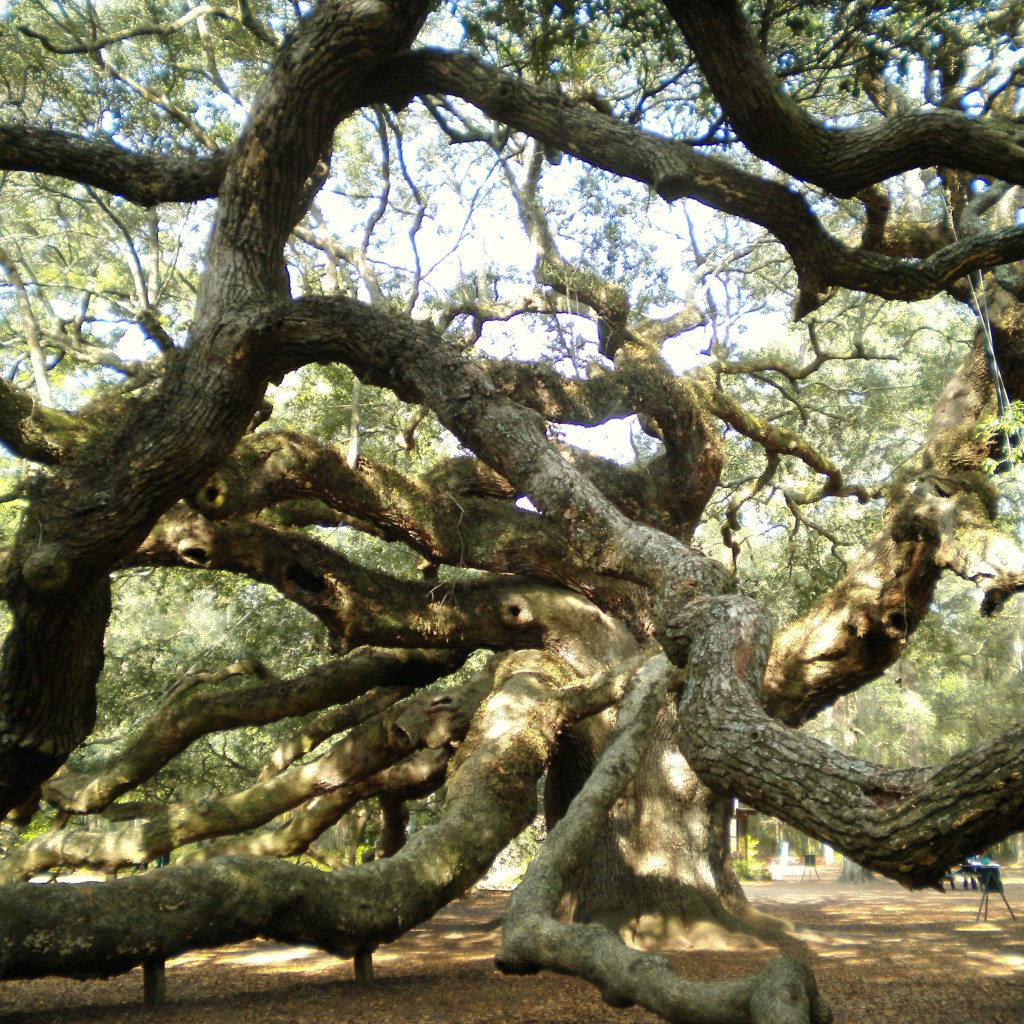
(659, 872)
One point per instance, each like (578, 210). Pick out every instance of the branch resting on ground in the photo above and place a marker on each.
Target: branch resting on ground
(491, 797)
(532, 939)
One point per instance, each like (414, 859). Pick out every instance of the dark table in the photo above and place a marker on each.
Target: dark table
(983, 875)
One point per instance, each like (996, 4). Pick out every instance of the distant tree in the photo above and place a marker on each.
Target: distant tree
(303, 294)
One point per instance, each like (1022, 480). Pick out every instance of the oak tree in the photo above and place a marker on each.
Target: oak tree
(475, 232)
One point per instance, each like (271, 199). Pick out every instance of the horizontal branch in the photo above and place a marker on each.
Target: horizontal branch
(675, 170)
(431, 718)
(141, 178)
(778, 440)
(362, 606)
(491, 797)
(467, 528)
(420, 774)
(178, 721)
(330, 723)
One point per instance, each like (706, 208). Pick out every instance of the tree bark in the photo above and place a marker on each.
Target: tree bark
(785, 991)
(908, 824)
(491, 796)
(185, 715)
(432, 718)
(658, 873)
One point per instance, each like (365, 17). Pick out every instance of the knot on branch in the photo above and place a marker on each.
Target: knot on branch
(47, 569)
(432, 720)
(218, 498)
(193, 551)
(516, 611)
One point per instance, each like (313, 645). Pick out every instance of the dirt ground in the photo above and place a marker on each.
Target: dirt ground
(880, 953)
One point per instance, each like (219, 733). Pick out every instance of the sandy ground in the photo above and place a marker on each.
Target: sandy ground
(880, 953)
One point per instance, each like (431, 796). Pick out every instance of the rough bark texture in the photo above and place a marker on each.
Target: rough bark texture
(908, 824)
(657, 874)
(939, 519)
(431, 719)
(189, 712)
(533, 939)
(491, 796)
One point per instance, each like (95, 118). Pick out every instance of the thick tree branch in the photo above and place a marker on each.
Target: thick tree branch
(34, 432)
(411, 359)
(490, 798)
(842, 161)
(583, 401)
(432, 718)
(675, 170)
(417, 776)
(79, 525)
(939, 519)
(908, 824)
(141, 178)
(327, 69)
(532, 938)
(361, 606)
(468, 528)
(179, 720)
(330, 723)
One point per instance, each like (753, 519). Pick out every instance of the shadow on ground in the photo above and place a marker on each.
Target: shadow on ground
(881, 955)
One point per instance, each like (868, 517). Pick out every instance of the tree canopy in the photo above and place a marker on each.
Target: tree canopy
(409, 399)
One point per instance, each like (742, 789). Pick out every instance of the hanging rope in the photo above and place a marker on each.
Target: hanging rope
(1006, 420)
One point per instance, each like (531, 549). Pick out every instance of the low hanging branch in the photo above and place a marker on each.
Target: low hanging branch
(432, 718)
(908, 824)
(532, 938)
(491, 797)
(418, 775)
(178, 722)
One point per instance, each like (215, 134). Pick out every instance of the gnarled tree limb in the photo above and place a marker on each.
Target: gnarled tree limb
(178, 722)
(909, 824)
(532, 938)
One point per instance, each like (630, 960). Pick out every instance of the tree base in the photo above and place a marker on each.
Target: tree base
(704, 923)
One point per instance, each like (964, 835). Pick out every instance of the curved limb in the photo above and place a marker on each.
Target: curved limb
(491, 797)
(418, 775)
(186, 715)
(432, 718)
(533, 940)
(909, 824)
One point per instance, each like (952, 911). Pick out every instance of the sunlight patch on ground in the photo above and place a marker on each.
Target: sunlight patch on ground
(296, 956)
(999, 965)
(280, 957)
